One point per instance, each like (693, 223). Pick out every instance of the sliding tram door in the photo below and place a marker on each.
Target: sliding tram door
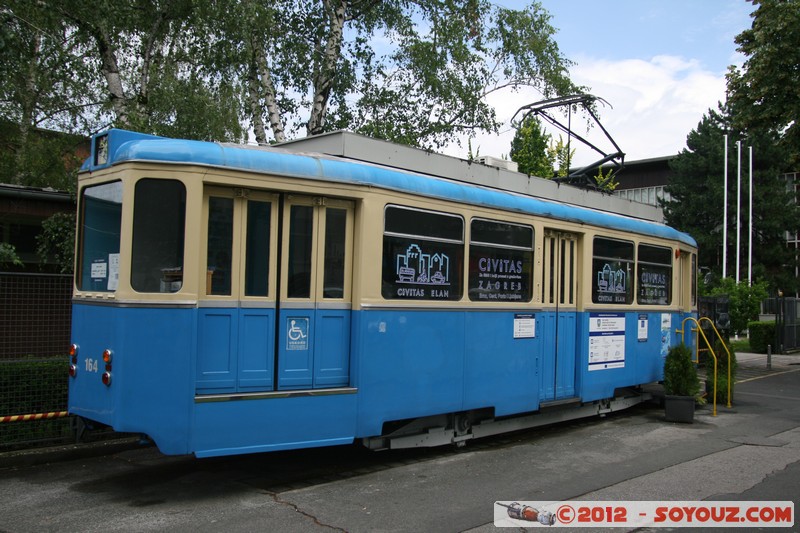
(276, 310)
(315, 293)
(559, 297)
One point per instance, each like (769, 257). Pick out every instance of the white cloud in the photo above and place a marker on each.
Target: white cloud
(654, 103)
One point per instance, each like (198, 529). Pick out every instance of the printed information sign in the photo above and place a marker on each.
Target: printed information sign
(642, 328)
(297, 333)
(606, 341)
(524, 326)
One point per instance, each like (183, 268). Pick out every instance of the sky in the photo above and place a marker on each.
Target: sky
(660, 65)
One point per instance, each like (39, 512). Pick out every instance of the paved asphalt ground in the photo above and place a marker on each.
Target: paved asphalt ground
(750, 452)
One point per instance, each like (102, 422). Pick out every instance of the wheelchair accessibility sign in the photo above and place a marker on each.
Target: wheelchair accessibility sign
(297, 333)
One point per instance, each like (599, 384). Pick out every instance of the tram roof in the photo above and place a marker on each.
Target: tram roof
(118, 146)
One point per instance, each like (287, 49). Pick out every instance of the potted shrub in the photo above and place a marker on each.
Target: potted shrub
(681, 384)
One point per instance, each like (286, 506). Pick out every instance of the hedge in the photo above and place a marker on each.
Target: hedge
(762, 334)
(31, 387)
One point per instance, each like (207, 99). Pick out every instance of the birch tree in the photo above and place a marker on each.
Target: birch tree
(416, 72)
(42, 86)
(412, 71)
(146, 55)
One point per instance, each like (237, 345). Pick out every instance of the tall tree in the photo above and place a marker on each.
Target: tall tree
(763, 93)
(43, 84)
(410, 71)
(529, 149)
(434, 86)
(148, 66)
(697, 192)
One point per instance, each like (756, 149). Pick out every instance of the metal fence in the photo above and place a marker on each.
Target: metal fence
(786, 312)
(35, 314)
(33, 398)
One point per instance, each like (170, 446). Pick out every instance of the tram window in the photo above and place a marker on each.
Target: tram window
(256, 268)
(101, 220)
(220, 244)
(335, 226)
(612, 264)
(423, 255)
(654, 272)
(500, 262)
(406, 221)
(301, 221)
(159, 218)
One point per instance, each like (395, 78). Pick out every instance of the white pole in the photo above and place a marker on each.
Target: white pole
(725, 216)
(750, 228)
(738, 207)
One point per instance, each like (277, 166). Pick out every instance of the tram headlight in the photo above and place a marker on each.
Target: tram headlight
(73, 370)
(107, 355)
(106, 379)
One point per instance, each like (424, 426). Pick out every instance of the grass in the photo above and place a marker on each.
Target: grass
(740, 345)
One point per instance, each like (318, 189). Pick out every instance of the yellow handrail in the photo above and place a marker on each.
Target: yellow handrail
(682, 331)
(724, 345)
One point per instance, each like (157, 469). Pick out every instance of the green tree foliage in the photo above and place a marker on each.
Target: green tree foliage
(529, 149)
(764, 92)
(143, 67)
(606, 181)
(44, 83)
(744, 301)
(56, 242)
(560, 152)
(434, 84)
(8, 256)
(195, 69)
(697, 192)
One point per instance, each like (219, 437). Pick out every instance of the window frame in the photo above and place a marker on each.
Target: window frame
(421, 289)
(629, 275)
(80, 262)
(643, 264)
(487, 295)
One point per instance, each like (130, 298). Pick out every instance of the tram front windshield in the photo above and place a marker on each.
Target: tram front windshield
(99, 234)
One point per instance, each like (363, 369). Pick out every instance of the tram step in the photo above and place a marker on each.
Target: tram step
(559, 403)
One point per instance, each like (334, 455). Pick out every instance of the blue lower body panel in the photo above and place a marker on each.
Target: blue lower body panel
(394, 365)
(623, 350)
(151, 389)
(261, 425)
(420, 363)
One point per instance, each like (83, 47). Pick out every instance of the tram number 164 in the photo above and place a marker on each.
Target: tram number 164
(91, 365)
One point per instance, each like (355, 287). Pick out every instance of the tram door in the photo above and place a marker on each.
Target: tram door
(313, 325)
(236, 315)
(559, 297)
(274, 310)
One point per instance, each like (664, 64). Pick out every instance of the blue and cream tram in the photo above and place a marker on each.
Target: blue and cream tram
(232, 299)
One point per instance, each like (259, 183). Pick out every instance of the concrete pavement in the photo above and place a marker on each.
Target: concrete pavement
(748, 452)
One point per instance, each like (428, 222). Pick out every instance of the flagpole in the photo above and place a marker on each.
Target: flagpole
(750, 228)
(738, 208)
(725, 216)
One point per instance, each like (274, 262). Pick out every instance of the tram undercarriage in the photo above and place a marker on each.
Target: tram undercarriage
(458, 428)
